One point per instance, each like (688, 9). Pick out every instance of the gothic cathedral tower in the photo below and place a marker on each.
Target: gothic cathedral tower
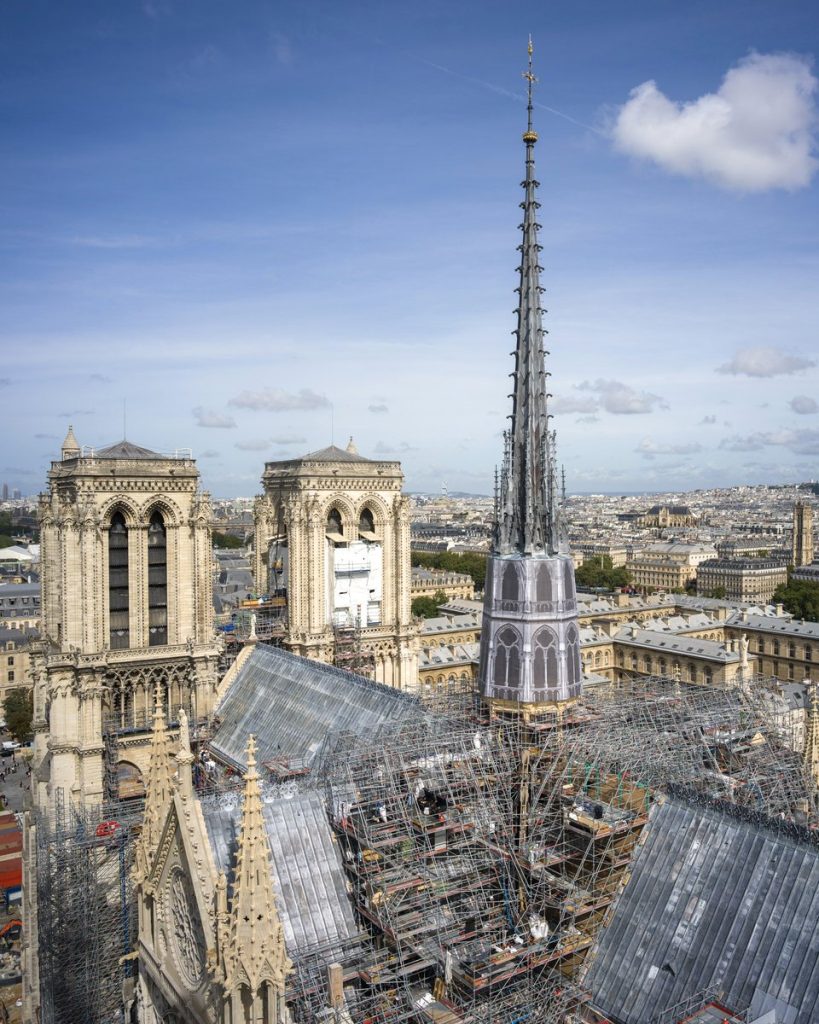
(530, 642)
(332, 537)
(126, 607)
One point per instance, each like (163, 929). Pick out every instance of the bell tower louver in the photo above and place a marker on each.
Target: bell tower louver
(530, 643)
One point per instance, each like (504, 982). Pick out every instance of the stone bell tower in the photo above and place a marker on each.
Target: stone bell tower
(332, 539)
(126, 607)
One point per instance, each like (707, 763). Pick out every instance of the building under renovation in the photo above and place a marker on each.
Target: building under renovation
(334, 850)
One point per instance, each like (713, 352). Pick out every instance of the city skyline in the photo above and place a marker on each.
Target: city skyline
(270, 231)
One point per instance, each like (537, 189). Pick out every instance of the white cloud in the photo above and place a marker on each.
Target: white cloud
(799, 442)
(209, 454)
(587, 419)
(393, 449)
(208, 418)
(288, 439)
(754, 133)
(569, 403)
(708, 420)
(804, 405)
(378, 407)
(276, 400)
(258, 445)
(620, 399)
(650, 449)
(762, 361)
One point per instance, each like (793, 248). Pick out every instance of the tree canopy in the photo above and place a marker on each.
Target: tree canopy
(599, 572)
(18, 708)
(226, 540)
(427, 607)
(800, 598)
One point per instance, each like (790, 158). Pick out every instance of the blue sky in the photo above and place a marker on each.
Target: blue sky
(261, 225)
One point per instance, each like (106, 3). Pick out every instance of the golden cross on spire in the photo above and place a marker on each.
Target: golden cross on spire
(530, 135)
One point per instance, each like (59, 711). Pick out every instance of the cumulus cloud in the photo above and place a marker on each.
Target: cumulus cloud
(708, 420)
(276, 400)
(378, 407)
(209, 418)
(765, 361)
(570, 403)
(804, 405)
(383, 448)
(288, 439)
(799, 442)
(259, 444)
(755, 133)
(651, 449)
(621, 399)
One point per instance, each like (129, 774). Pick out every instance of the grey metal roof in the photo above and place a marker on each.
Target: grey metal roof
(332, 453)
(125, 450)
(308, 876)
(292, 704)
(715, 901)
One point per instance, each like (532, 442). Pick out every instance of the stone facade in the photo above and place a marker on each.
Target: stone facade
(746, 579)
(119, 614)
(332, 535)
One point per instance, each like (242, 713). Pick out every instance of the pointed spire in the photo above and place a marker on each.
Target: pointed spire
(158, 787)
(810, 754)
(255, 953)
(71, 446)
(351, 448)
(527, 515)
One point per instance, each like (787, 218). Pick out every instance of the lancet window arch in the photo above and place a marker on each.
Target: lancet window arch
(506, 673)
(544, 645)
(157, 580)
(119, 637)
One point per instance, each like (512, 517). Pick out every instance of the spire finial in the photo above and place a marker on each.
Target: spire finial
(255, 953)
(530, 135)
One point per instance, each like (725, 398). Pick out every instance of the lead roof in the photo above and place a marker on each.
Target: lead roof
(714, 901)
(292, 705)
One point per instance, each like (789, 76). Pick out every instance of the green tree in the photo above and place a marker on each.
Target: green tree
(599, 572)
(227, 540)
(719, 592)
(427, 607)
(800, 598)
(18, 708)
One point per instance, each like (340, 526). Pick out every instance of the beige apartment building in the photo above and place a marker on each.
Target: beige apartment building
(429, 582)
(745, 579)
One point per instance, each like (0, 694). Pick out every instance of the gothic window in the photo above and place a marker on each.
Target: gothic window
(544, 583)
(662, 665)
(119, 636)
(366, 523)
(573, 652)
(157, 581)
(507, 658)
(334, 521)
(544, 672)
(509, 590)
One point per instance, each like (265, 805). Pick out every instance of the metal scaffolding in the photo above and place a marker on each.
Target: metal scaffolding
(86, 922)
(483, 856)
